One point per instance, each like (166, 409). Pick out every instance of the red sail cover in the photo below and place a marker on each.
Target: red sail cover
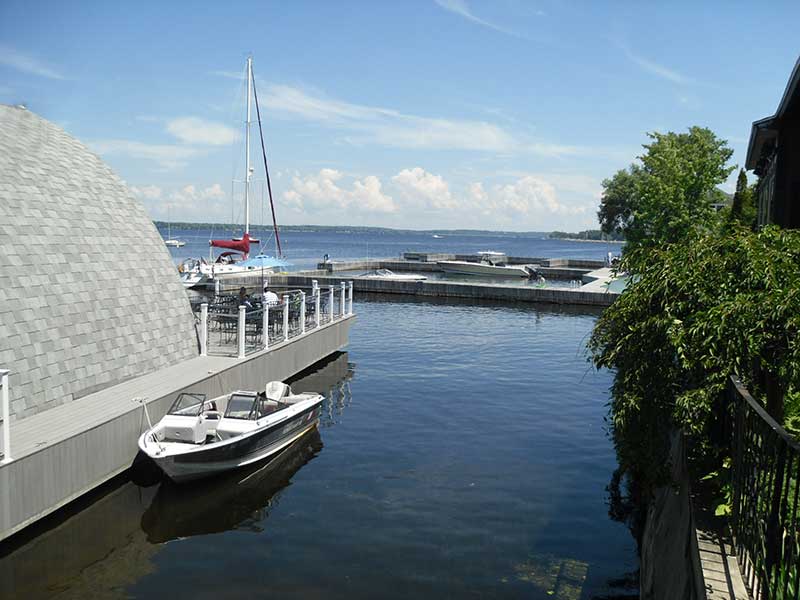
(242, 245)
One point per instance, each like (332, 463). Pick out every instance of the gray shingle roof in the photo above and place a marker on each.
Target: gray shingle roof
(89, 295)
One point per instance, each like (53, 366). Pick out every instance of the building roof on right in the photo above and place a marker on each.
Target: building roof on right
(764, 131)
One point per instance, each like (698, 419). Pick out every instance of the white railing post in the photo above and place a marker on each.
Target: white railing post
(6, 416)
(302, 312)
(350, 298)
(204, 329)
(216, 288)
(265, 325)
(330, 304)
(317, 298)
(286, 317)
(343, 300)
(242, 318)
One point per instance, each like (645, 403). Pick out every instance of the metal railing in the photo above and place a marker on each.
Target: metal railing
(5, 418)
(225, 327)
(765, 470)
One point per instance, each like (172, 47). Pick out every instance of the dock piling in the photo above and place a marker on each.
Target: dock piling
(350, 298)
(302, 312)
(317, 298)
(265, 325)
(204, 329)
(285, 317)
(240, 329)
(6, 416)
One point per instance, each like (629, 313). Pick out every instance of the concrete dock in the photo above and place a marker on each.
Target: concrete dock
(456, 289)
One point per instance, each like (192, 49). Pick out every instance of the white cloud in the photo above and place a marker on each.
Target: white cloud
(386, 127)
(229, 74)
(27, 64)
(460, 8)
(653, 67)
(168, 156)
(323, 192)
(189, 202)
(147, 192)
(192, 130)
(526, 202)
(423, 188)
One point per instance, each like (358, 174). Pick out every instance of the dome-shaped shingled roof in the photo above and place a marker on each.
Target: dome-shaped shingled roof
(89, 296)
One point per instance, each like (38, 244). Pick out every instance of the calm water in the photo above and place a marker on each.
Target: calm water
(305, 249)
(462, 454)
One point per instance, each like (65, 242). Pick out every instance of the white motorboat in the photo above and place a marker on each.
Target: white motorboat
(199, 437)
(487, 267)
(392, 276)
(174, 243)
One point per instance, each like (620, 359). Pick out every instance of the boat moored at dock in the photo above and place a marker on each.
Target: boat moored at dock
(199, 437)
(487, 267)
(392, 276)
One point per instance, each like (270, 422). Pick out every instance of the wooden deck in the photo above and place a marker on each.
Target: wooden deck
(62, 453)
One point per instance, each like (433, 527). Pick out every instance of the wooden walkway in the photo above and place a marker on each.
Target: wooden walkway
(62, 422)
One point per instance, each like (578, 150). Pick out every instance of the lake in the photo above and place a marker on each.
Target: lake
(462, 453)
(304, 249)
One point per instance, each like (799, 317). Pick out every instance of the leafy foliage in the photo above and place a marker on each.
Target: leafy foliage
(693, 314)
(679, 174)
(743, 209)
(619, 200)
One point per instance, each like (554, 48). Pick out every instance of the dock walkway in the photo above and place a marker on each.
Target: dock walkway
(60, 454)
(455, 289)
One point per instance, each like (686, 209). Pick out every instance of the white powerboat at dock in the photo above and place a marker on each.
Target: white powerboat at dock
(199, 437)
(491, 264)
(392, 276)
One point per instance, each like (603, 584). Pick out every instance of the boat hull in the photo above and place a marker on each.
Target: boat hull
(255, 446)
(469, 268)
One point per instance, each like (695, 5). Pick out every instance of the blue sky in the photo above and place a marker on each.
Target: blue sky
(422, 114)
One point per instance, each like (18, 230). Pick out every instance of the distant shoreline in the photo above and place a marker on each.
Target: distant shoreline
(589, 241)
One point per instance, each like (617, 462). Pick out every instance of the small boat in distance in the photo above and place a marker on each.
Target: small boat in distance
(391, 275)
(490, 265)
(199, 437)
(169, 242)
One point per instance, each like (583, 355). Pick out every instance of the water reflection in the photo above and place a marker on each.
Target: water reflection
(104, 543)
(240, 500)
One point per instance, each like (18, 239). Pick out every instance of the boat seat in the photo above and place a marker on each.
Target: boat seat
(267, 407)
(276, 390)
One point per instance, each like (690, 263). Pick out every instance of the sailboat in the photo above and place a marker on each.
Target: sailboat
(170, 243)
(236, 259)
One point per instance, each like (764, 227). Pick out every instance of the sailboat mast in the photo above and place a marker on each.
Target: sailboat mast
(247, 149)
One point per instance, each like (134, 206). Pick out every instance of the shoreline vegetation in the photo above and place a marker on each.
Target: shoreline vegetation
(583, 236)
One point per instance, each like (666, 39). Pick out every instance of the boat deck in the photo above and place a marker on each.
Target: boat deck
(73, 418)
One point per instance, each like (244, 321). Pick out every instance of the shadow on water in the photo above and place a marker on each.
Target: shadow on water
(106, 541)
(239, 500)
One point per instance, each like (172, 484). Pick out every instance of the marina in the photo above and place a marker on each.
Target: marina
(418, 481)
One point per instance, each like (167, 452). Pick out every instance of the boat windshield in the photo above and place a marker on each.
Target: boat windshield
(187, 405)
(241, 406)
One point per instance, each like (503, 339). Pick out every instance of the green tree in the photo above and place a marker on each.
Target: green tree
(619, 200)
(693, 314)
(743, 209)
(679, 173)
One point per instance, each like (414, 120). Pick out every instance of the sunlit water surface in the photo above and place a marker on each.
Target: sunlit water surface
(462, 453)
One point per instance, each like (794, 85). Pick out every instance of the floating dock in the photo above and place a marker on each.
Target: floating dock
(95, 325)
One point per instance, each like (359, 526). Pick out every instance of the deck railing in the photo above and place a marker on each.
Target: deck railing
(226, 328)
(766, 487)
(5, 418)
